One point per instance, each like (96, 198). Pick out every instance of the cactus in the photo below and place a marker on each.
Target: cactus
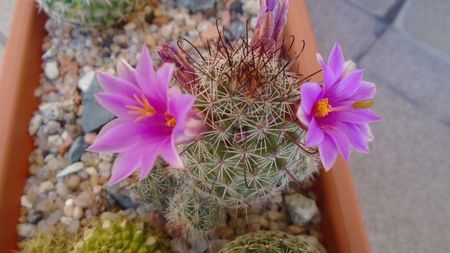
(121, 236)
(253, 146)
(88, 13)
(273, 242)
(191, 216)
(158, 187)
(56, 240)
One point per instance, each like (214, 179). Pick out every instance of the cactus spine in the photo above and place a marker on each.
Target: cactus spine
(88, 13)
(273, 242)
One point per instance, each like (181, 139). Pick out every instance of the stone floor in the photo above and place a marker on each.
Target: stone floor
(404, 184)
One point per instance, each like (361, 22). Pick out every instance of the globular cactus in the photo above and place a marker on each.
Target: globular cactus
(56, 240)
(158, 188)
(88, 13)
(273, 242)
(252, 146)
(191, 216)
(121, 236)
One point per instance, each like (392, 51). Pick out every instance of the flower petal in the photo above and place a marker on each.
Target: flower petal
(145, 69)
(310, 93)
(179, 106)
(164, 75)
(314, 135)
(340, 140)
(357, 139)
(115, 104)
(366, 91)
(119, 138)
(328, 152)
(336, 60)
(124, 166)
(125, 71)
(117, 85)
(169, 153)
(148, 162)
(357, 116)
(350, 84)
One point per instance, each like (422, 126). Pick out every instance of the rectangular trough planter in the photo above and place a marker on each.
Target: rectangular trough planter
(342, 223)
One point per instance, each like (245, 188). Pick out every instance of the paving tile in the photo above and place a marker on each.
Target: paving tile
(6, 12)
(428, 21)
(403, 184)
(378, 8)
(417, 74)
(337, 20)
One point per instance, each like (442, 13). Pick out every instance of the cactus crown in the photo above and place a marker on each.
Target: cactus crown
(121, 236)
(272, 242)
(252, 147)
(55, 240)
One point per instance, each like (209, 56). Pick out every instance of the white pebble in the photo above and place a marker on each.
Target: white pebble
(85, 82)
(77, 212)
(25, 202)
(51, 70)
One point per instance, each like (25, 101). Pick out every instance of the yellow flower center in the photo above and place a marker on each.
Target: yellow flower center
(144, 110)
(322, 108)
(171, 121)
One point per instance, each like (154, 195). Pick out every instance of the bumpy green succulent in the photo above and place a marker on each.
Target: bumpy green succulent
(273, 242)
(88, 13)
(192, 216)
(252, 147)
(56, 240)
(120, 237)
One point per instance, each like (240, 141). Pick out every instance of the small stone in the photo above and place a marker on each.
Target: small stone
(25, 202)
(66, 220)
(216, 245)
(51, 70)
(197, 5)
(301, 209)
(253, 228)
(73, 226)
(54, 217)
(35, 217)
(68, 211)
(35, 123)
(294, 230)
(71, 169)
(85, 82)
(84, 199)
(273, 226)
(94, 116)
(77, 149)
(26, 230)
(121, 197)
(150, 41)
(73, 181)
(46, 186)
(272, 215)
(256, 219)
(77, 213)
(89, 138)
(62, 188)
(224, 232)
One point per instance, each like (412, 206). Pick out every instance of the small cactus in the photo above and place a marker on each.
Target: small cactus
(56, 240)
(157, 188)
(273, 242)
(121, 236)
(88, 13)
(192, 216)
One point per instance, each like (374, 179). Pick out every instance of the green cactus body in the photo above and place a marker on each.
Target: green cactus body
(273, 242)
(121, 237)
(192, 216)
(56, 240)
(88, 13)
(252, 148)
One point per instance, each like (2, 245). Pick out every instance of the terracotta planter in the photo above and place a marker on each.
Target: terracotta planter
(342, 222)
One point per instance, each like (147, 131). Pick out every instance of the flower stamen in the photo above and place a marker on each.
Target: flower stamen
(364, 104)
(145, 109)
(322, 108)
(171, 121)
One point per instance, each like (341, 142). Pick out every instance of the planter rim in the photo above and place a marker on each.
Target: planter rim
(343, 225)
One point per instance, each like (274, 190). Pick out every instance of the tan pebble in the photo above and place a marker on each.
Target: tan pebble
(77, 212)
(282, 217)
(150, 41)
(73, 181)
(157, 12)
(273, 226)
(90, 138)
(294, 230)
(224, 232)
(68, 211)
(253, 227)
(161, 20)
(271, 215)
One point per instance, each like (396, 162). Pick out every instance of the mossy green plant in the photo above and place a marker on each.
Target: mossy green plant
(122, 236)
(273, 242)
(56, 240)
(88, 13)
